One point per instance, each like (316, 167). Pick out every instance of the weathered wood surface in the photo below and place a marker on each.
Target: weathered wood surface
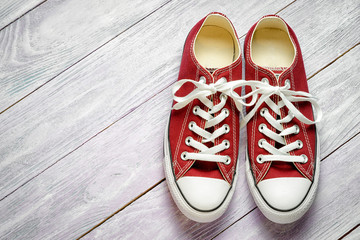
(56, 35)
(82, 89)
(72, 170)
(328, 27)
(159, 205)
(139, 166)
(82, 101)
(10, 10)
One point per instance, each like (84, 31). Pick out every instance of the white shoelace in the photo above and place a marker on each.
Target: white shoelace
(288, 97)
(203, 91)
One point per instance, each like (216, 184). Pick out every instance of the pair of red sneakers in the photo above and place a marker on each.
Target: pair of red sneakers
(202, 138)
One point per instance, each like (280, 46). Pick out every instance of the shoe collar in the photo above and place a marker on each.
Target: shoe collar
(275, 81)
(213, 77)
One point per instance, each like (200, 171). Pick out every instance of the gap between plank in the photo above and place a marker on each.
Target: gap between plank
(333, 61)
(348, 232)
(129, 203)
(86, 55)
(285, 7)
(22, 15)
(274, 13)
(233, 223)
(340, 146)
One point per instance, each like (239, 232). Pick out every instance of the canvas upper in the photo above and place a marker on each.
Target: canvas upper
(205, 185)
(307, 134)
(282, 172)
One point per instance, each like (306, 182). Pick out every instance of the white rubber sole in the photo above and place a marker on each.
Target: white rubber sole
(284, 217)
(185, 208)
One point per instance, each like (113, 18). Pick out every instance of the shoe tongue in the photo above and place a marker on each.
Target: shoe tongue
(277, 70)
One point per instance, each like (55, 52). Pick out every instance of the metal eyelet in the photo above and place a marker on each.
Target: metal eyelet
(259, 159)
(297, 129)
(191, 125)
(187, 140)
(223, 96)
(227, 161)
(227, 128)
(183, 156)
(265, 80)
(305, 158)
(202, 79)
(261, 143)
(226, 143)
(300, 144)
(226, 112)
(287, 82)
(195, 110)
(263, 111)
(262, 127)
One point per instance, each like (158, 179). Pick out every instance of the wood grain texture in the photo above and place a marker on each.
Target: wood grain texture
(102, 88)
(325, 29)
(173, 223)
(33, 54)
(91, 183)
(116, 165)
(56, 35)
(36, 130)
(87, 98)
(10, 10)
(334, 211)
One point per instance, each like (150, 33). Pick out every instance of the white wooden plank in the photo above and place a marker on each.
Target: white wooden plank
(98, 178)
(313, 23)
(334, 211)
(66, 201)
(85, 99)
(340, 75)
(56, 35)
(10, 10)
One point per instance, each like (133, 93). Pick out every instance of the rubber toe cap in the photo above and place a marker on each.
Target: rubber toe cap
(204, 194)
(284, 193)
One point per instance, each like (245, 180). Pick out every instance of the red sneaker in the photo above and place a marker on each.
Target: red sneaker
(283, 148)
(202, 139)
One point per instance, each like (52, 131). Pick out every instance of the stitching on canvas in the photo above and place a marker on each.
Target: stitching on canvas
(180, 139)
(306, 172)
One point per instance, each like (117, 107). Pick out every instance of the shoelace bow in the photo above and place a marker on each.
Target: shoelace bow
(202, 91)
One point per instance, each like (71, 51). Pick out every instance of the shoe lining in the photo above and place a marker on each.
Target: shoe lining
(214, 47)
(271, 45)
